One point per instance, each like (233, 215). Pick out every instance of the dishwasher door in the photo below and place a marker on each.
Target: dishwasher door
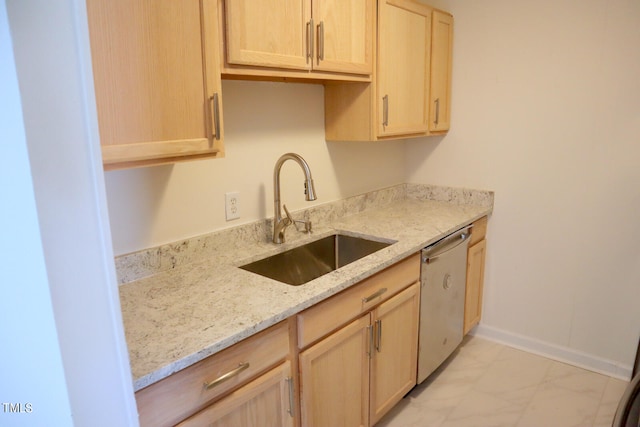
(443, 280)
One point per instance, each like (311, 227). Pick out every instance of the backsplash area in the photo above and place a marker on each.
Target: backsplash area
(136, 265)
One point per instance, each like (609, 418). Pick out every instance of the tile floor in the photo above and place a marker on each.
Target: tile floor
(487, 384)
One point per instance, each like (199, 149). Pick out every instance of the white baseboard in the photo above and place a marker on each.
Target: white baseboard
(555, 352)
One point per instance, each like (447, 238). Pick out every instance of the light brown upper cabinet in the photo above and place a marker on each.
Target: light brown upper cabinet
(299, 38)
(157, 80)
(397, 104)
(441, 59)
(404, 35)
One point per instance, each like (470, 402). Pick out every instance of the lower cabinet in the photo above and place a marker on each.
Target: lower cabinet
(475, 274)
(334, 376)
(358, 372)
(251, 380)
(266, 401)
(394, 361)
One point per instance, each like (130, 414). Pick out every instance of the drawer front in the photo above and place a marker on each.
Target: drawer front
(264, 401)
(172, 399)
(322, 318)
(478, 231)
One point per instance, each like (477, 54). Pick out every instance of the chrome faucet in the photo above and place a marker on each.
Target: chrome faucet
(279, 223)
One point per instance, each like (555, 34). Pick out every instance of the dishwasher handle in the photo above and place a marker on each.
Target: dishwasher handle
(447, 244)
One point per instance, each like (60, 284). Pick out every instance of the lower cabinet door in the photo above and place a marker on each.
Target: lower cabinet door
(334, 378)
(475, 278)
(264, 402)
(394, 360)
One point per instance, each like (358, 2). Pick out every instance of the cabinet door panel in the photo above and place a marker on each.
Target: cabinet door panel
(263, 402)
(346, 39)
(404, 60)
(267, 33)
(475, 281)
(334, 378)
(441, 64)
(149, 65)
(394, 362)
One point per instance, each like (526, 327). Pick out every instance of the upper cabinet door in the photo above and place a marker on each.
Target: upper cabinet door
(404, 34)
(267, 38)
(441, 65)
(157, 91)
(269, 34)
(344, 31)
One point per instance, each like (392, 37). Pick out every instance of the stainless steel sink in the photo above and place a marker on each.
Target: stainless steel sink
(302, 264)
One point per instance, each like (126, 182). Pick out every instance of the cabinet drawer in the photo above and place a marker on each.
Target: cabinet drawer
(172, 399)
(478, 231)
(265, 398)
(329, 315)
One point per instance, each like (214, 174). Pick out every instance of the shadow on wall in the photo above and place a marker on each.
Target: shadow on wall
(360, 167)
(418, 152)
(146, 190)
(262, 204)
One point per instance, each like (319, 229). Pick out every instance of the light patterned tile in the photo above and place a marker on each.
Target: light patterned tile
(412, 413)
(479, 350)
(514, 376)
(567, 377)
(487, 384)
(482, 409)
(609, 402)
(553, 406)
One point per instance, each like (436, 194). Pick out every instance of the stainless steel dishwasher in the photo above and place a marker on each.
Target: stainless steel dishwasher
(443, 276)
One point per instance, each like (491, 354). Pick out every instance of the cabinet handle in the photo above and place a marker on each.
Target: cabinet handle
(215, 116)
(222, 378)
(379, 336)
(374, 295)
(320, 41)
(310, 41)
(385, 110)
(290, 384)
(437, 102)
(370, 349)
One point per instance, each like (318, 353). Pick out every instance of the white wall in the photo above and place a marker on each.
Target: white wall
(51, 47)
(262, 121)
(546, 112)
(31, 372)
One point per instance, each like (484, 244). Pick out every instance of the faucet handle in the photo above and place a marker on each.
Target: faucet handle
(290, 220)
(289, 217)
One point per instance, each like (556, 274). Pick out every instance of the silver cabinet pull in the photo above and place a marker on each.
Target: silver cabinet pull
(378, 336)
(215, 116)
(310, 41)
(385, 110)
(370, 349)
(224, 377)
(437, 102)
(290, 384)
(320, 41)
(374, 295)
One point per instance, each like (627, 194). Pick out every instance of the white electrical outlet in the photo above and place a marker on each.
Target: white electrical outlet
(232, 205)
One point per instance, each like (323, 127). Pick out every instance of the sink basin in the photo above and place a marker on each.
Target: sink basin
(300, 265)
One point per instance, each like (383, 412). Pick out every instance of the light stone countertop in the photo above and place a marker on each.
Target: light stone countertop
(179, 316)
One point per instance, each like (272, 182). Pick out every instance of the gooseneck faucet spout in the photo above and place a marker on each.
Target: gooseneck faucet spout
(279, 223)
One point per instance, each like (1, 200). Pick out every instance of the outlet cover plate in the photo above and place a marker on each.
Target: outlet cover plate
(232, 205)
